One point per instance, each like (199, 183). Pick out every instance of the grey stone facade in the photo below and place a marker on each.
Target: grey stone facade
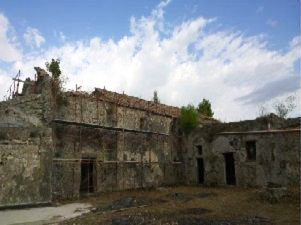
(276, 153)
(95, 142)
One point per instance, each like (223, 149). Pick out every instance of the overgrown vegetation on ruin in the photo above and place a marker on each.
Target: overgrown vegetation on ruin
(282, 108)
(57, 82)
(54, 68)
(204, 108)
(188, 118)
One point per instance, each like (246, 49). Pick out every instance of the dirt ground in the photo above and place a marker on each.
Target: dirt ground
(190, 206)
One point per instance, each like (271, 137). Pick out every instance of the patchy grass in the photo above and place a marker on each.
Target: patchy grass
(191, 205)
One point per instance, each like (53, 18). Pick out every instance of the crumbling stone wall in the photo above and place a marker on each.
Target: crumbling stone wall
(24, 111)
(131, 141)
(25, 165)
(277, 152)
(26, 146)
(33, 107)
(123, 160)
(277, 158)
(96, 109)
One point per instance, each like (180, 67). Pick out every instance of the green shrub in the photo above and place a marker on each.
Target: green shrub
(188, 118)
(204, 108)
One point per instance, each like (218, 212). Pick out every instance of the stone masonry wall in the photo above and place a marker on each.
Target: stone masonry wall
(25, 162)
(277, 158)
(123, 160)
(133, 146)
(93, 109)
(25, 111)
(277, 153)
(131, 141)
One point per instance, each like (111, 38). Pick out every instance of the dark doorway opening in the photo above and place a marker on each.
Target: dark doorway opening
(87, 175)
(230, 168)
(200, 164)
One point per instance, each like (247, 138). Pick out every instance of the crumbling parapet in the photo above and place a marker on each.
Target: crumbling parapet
(42, 84)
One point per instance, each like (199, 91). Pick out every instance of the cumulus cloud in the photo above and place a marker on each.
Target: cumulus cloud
(184, 63)
(9, 49)
(33, 37)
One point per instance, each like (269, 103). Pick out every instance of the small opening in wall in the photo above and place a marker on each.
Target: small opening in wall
(200, 165)
(142, 123)
(87, 175)
(230, 168)
(200, 149)
(251, 150)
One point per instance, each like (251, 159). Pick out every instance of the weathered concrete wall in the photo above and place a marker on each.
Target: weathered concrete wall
(25, 166)
(277, 153)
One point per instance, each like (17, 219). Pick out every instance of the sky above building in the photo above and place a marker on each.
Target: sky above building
(239, 54)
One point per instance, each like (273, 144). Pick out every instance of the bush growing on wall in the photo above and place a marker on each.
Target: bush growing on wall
(54, 68)
(188, 118)
(204, 108)
(57, 82)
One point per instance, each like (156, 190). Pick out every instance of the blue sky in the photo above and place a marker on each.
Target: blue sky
(110, 19)
(200, 40)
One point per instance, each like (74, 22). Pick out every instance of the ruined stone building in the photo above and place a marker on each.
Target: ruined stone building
(250, 153)
(77, 143)
(58, 146)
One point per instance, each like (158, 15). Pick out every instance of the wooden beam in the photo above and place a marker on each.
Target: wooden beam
(19, 80)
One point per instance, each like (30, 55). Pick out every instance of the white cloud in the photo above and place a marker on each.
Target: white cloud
(8, 47)
(33, 37)
(5, 82)
(62, 36)
(272, 23)
(184, 64)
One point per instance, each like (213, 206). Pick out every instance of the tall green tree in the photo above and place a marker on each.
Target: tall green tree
(188, 118)
(54, 68)
(56, 82)
(155, 97)
(204, 108)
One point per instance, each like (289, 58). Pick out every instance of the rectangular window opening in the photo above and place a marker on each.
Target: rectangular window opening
(200, 149)
(251, 150)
